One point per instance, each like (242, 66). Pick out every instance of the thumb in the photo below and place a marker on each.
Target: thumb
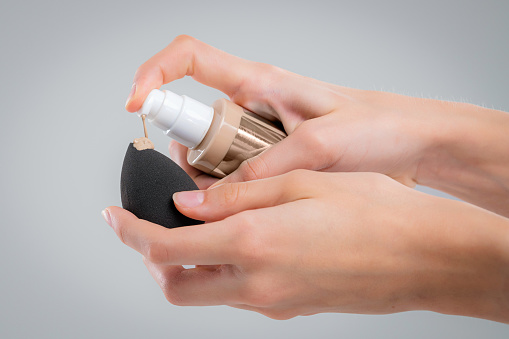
(289, 154)
(226, 200)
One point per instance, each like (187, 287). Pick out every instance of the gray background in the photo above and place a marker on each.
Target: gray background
(66, 70)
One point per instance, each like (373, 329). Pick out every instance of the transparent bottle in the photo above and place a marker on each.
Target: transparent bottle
(219, 137)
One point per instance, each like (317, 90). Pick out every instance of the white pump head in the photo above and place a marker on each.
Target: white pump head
(180, 117)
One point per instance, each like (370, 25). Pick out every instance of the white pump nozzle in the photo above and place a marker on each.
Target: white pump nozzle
(180, 117)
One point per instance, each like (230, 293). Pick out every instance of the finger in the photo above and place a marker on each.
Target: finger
(197, 286)
(208, 267)
(208, 244)
(297, 151)
(178, 153)
(231, 198)
(188, 56)
(273, 313)
(161, 272)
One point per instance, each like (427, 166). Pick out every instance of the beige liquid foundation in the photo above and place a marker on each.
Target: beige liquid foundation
(219, 137)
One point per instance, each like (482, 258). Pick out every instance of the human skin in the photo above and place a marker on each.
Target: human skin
(327, 242)
(335, 242)
(458, 148)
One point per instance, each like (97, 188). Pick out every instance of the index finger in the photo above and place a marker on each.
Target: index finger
(208, 244)
(188, 56)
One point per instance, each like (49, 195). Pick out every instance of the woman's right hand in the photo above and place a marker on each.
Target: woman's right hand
(334, 128)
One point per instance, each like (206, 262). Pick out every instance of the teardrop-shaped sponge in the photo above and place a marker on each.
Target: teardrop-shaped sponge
(147, 183)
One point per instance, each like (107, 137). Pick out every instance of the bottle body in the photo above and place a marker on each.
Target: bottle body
(219, 138)
(235, 135)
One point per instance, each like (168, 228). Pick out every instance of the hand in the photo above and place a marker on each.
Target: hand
(310, 242)
(331, 128)
(458, 148)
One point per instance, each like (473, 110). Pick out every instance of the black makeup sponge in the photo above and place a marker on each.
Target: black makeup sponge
(147, 183)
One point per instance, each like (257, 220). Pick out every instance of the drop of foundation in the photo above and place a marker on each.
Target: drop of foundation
(142, 144)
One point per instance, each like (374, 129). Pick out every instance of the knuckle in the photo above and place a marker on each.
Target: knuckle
(253, 169)
(316, 140)
(267, 70)
(233, 192)
(121, 231)
(173, 297)
(262, 81)
(156, 252)
(255, 296)
(185, 44)
(299, 183)
(278, 315)
(259, 299)
(140, 74)
(184, 39)
(262, 293)
(297, 176)
(186, 47)
(172, 289)
(250, 242)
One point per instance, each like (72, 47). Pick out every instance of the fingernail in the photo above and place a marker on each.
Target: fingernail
(171, 151)
(106, 215)
(133, 90)
(189, 198)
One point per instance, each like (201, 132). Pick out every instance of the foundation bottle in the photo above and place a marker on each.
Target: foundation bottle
(219, 137)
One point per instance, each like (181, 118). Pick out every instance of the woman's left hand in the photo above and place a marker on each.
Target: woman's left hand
(309, 242)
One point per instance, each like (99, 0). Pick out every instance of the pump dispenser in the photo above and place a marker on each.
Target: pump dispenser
(219, 137)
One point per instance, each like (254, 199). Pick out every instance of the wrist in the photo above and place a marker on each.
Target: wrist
(463, 266)
(409, 126)
(467, 154)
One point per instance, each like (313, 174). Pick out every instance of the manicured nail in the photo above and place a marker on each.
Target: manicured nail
(106, 215)
(133, 90)
(189, 199)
